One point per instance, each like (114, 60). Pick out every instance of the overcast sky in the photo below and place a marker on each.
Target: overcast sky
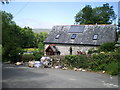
(47, 14)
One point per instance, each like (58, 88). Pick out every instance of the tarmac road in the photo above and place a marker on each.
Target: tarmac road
(25, 77)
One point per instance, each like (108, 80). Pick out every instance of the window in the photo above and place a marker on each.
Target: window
(57, 36)
(73, 36)
(76, 29)
(95, 37)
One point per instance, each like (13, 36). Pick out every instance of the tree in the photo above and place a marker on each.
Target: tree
(101, 15)
(10, 37)
(107, 47)
(85, 15)
(40, 37)
(14, 38)
(27, 37)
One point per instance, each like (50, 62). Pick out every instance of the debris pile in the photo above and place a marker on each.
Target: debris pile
(19, 63)
(49, 62)
(46, 62)
(31, 63)
(37, 64)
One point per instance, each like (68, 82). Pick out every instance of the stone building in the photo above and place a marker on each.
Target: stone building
(76, 39)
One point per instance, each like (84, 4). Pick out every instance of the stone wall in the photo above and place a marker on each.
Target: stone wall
(65, 49)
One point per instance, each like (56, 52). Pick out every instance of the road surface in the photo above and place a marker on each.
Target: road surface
(25, 77)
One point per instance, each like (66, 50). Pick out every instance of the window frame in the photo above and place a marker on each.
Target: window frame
(95, 37)
(73, 36)
(57, 36)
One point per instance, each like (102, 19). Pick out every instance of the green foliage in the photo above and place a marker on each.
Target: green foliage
(106, 47)
(11, 52)
(102, 62)
(85, 15)
(10, 38)
(113, 68)
(117, 50)
(29, 49)
(37, 55)
(27, 37)
(40, 52)
(40, 37)
(27, 58)
(77, 61)
(101, 15)
(92, 50)
(15, 38)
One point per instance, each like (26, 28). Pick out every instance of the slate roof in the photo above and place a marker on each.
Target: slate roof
(84, 34)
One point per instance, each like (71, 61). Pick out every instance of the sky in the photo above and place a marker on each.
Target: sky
(45, 15)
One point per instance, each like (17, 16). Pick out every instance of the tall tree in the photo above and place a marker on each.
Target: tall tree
(27, 37)
(10, 37)
(85, 15)
(101, 15)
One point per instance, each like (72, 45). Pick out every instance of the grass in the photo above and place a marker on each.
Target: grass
(30, 49)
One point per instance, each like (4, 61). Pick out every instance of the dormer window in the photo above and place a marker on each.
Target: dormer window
(95, 37)
(57, 36)
(73, 36)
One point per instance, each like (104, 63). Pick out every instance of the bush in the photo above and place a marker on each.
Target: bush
(79, 61)
(106, 47)
(112, 68)
(102, 62)
(37, 55)
(11, 53)
(27, 57)
(92, 50)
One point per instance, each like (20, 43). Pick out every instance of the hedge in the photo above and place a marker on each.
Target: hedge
(27, 57)
(101, 62)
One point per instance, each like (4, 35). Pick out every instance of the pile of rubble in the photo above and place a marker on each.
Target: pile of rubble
(47, 62)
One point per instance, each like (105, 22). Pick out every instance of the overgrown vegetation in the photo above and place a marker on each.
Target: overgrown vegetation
(15, 38)
(27, 57)
(107, 47)
(101, 62)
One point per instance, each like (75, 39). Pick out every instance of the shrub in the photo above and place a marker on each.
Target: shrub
(37, 55)
(92, 50)
(107, 61)
(79, 61)
(27, 57)
(104, 62)
(106, 47)
(112, 68)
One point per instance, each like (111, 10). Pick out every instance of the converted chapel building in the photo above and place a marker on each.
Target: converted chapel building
(74, 39)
